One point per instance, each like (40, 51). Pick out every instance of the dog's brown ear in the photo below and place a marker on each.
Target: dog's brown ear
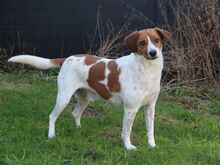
(131, 41)
(164, 34)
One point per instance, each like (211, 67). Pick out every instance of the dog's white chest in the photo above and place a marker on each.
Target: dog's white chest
(149, 89)
(140, 85)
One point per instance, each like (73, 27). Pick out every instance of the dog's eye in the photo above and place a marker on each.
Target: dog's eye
(157, 40)
(142, 43)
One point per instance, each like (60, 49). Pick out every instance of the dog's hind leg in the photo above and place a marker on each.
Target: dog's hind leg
(80, 106)
(65, 92)
(61, 102)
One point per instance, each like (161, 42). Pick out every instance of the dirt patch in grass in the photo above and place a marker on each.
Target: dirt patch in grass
(90, 152)
(115, 135)
(189, 103)
(195, 100)
(12, 82)
(13, 85)
(112, 134)
(192, 99)
(167, 120)
(91, 112)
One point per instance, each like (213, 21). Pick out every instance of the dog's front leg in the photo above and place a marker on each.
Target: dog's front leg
(129, 115)
(149, 119)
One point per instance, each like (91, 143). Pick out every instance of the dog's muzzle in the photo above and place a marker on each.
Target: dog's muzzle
(151, 55)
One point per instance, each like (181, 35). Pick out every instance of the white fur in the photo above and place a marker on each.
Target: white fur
(37, 62)
(140, 86)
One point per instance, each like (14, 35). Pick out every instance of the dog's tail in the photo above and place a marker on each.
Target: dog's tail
(38, 62)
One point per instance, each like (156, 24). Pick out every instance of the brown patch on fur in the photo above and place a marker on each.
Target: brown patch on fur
(58, 61)
(137, 40)
(142, 41)
(89, 60)
(97, 74)
(113, 77)
(164, 34)
(131, 41)
(155, 38)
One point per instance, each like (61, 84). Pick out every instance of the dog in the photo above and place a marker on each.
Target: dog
(131, 81)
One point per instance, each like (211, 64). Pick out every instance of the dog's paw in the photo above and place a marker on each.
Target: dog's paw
(130, 147)
(78, 125)
(51, 136)
(152, 145)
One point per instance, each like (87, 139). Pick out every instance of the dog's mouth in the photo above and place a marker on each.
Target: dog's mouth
(150, 58)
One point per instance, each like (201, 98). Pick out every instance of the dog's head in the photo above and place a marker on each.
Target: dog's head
(147, 42)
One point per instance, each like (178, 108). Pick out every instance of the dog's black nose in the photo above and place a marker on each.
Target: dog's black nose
(153, 53)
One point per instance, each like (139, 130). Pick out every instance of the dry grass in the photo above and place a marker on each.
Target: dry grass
(192, 58)
(17, 47)
(106, 39)
(196, 27)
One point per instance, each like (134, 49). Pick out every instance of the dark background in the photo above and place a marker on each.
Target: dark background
(55, 28)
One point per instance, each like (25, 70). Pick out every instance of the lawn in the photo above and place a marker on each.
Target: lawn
(187, 128)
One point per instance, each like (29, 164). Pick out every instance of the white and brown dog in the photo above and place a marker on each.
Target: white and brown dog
(131, 81)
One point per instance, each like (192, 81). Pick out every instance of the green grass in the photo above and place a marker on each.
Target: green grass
(187, 128)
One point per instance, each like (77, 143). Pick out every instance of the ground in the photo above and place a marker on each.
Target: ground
(187, 127)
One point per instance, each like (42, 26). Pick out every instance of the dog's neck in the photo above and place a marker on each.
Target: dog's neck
(146, 65)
